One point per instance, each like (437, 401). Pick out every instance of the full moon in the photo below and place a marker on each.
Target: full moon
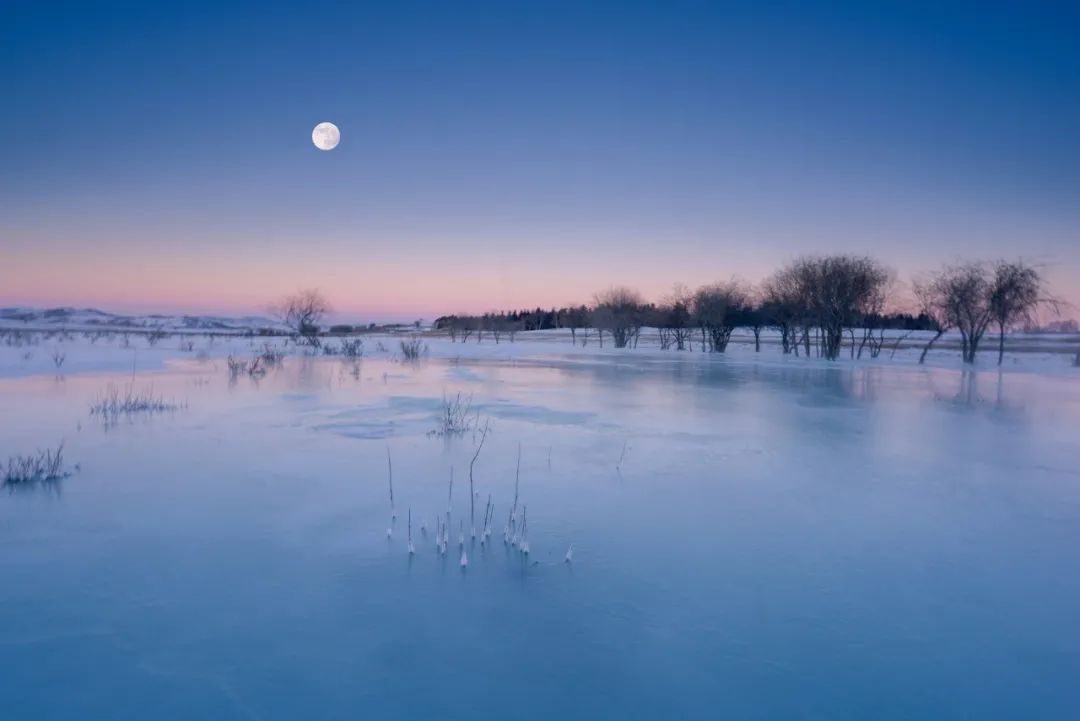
(326, 136)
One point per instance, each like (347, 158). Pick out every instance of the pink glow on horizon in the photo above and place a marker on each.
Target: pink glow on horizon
(393, 289)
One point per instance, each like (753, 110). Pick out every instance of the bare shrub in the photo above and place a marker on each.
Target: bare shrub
(271, 356)
(58, 358)
(157, 334)
(352, 348)
(302, 313)
(237, 366)
(255, 368)
(413, 349)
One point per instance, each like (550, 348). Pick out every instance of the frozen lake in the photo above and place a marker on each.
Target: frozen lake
(784, 540)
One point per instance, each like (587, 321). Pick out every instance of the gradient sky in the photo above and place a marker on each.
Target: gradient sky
(157, 156)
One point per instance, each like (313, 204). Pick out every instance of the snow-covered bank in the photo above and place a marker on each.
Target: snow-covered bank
(26, 352)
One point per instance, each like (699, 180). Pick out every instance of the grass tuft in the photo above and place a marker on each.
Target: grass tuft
(115, 403)
(45, 466)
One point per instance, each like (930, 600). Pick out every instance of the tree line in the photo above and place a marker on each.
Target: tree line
(816, 304)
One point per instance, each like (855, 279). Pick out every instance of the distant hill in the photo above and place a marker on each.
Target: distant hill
(87, 318)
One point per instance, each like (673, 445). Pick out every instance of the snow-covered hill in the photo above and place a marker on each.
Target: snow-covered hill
(92, 318)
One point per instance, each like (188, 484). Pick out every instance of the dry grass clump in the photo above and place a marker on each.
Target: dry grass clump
(456, 417)
(115, 403)
(45, 466)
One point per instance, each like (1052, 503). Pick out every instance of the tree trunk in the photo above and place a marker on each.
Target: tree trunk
(926, 348)
(1001, 342)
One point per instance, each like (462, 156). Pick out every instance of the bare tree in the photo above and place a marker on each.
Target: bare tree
(465, 325)
(752, 315)
(1015, 294)
(781, 307)
(573, 318)
(835, 290)
(619, 311)
(958, 296)
(716, 309)
(302, 313)
(871, 316)
(675, 315)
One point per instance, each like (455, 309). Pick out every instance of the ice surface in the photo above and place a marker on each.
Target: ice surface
(781, 540)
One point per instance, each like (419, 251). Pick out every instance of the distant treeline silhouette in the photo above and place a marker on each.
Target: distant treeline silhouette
(555, 318)
(815, 303)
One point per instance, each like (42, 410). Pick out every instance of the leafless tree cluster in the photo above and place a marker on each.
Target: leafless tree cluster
(827, 296)
(815, 303)
(972, 297)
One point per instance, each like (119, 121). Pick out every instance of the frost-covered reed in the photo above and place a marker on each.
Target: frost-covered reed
(515, 532)
(114, 403)
(456, 417)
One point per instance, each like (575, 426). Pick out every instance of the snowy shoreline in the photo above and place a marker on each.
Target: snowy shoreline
(28, 351)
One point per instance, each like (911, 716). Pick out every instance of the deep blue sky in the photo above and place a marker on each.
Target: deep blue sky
(158, 155)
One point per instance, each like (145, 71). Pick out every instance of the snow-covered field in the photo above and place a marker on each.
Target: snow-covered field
(33, 350)
(754, 535)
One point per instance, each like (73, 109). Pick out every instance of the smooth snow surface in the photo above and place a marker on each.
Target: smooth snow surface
(781, 540)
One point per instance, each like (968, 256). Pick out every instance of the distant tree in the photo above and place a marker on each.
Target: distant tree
(753, 316)
(835, 291)
(870, 315)
(601, 319)
(716, 310)
(511, 326)
(781, 306)
(574, 317)
(674, 316)
(619, 311)
(958, 296)
(1015, 293)
(930, 294)
(302, 313)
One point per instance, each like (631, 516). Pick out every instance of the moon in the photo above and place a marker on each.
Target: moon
(326, 136)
